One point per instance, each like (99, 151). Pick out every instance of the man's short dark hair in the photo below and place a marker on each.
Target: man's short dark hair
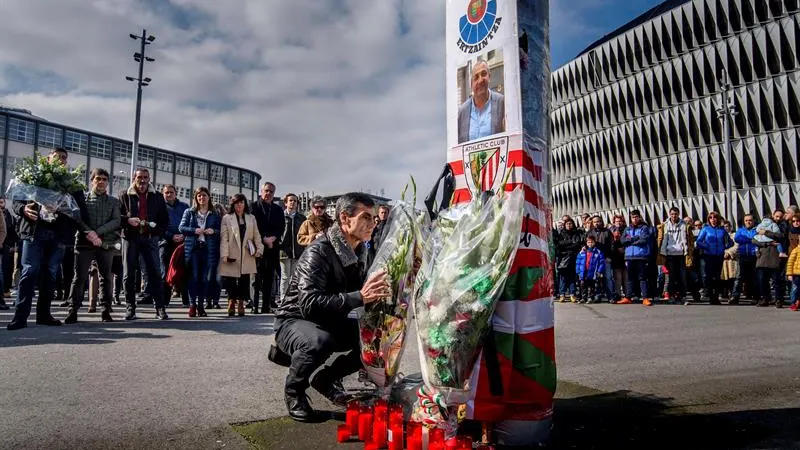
(99, 171)
(168, 186)
(384, 206)
(597, 217)
(348, 203)
(590, 238)
(674, 209)
(59, 150)
(635, 212)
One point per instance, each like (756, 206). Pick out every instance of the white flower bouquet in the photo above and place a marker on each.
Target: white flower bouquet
(464, 270)
(47, 183)
(384, 322)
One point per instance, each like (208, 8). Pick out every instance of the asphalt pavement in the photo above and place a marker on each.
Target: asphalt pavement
(181, 383)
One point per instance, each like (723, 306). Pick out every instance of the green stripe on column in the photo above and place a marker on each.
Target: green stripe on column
(527, 359)
(519, 284)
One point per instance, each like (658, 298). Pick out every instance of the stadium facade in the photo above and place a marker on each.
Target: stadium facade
(634, 117)
(22, 134)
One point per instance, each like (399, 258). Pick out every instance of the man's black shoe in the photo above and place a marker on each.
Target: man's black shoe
(331, 391)
(161, 314)
(298, 407)
(130, 314)
(105, 316)
(15, 325)
(72, 316)
(48, 321)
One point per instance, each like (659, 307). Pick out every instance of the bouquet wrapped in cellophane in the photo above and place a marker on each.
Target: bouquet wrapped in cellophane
(47, 183)
(464, 269)
(384, 322)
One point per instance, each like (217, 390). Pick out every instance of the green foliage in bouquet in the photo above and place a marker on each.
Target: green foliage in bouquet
(39, 171)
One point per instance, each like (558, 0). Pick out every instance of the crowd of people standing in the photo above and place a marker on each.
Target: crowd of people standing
(681, 260)
(151, 243)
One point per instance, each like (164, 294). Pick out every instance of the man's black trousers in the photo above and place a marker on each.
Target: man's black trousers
(310, 345)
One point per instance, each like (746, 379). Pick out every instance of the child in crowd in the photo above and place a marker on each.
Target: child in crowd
(590, 267)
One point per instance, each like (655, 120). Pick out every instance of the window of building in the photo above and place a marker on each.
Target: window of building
(49, 136)
(233, 177)
(183, 166)
(122, 152)
(145, 157)
(201, 170)
(3, 127)
(12, 163)
(76, 142)
(100, 148)
(164, 161)
(217, 173)
(246, 180)
(121, 182)
(21, 130)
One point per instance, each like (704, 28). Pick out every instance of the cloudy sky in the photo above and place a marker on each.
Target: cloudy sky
(316, 95)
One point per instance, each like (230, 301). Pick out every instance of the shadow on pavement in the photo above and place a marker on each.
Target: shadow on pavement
(595, 421)
(625, 420)
(89, 329)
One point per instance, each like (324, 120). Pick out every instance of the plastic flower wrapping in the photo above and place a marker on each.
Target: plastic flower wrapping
(47, 183)
(465, 265)
(384, 322)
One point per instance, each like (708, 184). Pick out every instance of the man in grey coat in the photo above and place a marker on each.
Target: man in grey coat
(484, 113)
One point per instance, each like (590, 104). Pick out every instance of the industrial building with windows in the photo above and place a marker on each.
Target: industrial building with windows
(635, 120)
(22, 134)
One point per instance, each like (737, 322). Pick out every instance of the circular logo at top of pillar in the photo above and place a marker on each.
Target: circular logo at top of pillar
(476, 10)
(479, 23)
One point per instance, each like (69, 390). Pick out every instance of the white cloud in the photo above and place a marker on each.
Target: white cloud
(323, 95)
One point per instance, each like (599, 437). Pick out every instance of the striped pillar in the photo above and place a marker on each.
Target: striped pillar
(524, 320)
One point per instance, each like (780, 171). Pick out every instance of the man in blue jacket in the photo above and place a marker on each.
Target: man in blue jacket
(638, 246)
(747, 260)
(712, 241)
(172, 239)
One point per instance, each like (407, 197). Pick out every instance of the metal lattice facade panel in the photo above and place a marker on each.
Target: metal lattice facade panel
(634, 121)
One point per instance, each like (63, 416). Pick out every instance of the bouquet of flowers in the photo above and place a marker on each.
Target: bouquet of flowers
(464, 270)
(47, 183)
(383, 324)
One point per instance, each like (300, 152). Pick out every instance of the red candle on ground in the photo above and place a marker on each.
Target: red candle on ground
(414, 443)
(414, 430)
(370, 446)
(464, 442)
(451, 444)
(365, 424)
(395, 418)
(436, 436)
(381, 409)
(351, 417)
(342, 433)
(396, 437)
(379, 433)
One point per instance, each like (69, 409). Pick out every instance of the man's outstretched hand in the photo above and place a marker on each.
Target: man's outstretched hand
(375, 288)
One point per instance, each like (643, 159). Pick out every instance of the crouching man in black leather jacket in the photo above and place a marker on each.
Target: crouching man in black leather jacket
(311, 322)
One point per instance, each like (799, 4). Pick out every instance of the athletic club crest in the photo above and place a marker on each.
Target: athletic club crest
(485, 164)
(478, 26)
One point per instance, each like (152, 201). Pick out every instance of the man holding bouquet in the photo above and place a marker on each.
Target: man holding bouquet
(311, 322)
(43, 246)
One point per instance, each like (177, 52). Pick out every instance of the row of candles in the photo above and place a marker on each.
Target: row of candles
(380, 426)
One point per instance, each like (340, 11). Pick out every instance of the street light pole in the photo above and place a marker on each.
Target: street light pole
(726, 112)
(141, 81)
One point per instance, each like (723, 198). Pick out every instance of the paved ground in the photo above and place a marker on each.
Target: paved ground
(178, 384)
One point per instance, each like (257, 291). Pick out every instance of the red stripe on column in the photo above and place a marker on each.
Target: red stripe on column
(523, 398)
(544, 340)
